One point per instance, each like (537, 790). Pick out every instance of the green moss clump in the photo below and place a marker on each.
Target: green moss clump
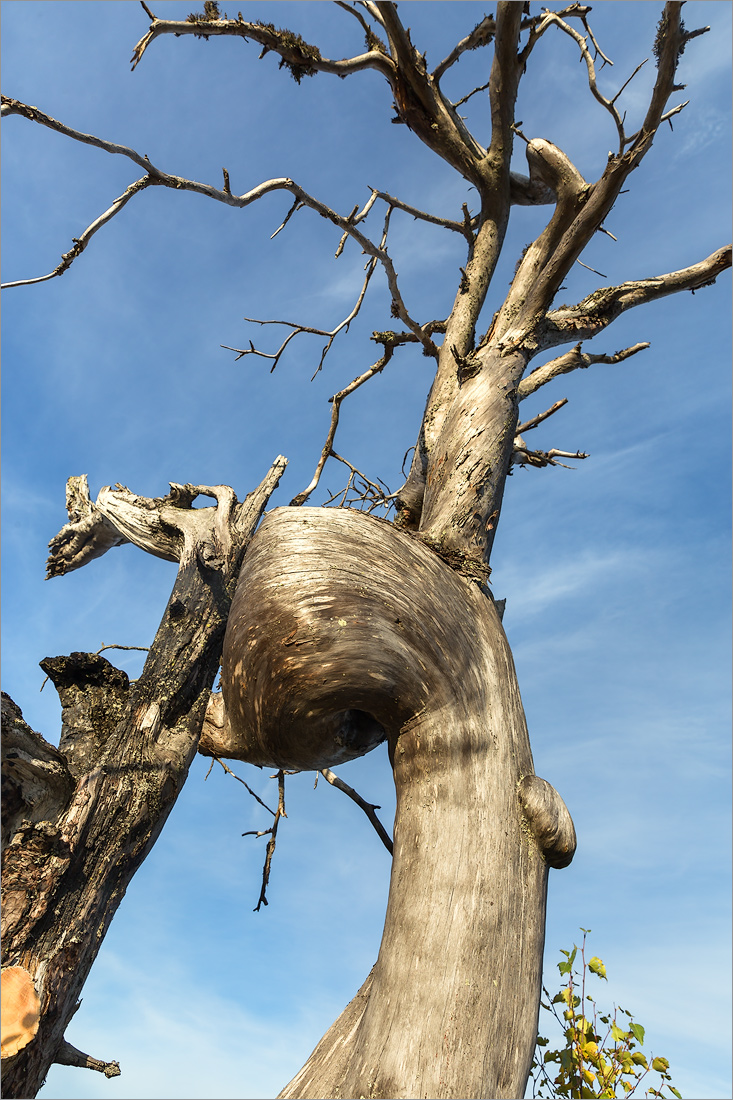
(303, 63)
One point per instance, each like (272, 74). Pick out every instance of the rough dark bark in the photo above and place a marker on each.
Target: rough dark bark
(126, 751)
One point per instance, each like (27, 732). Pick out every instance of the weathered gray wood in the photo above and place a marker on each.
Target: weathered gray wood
(337, 612)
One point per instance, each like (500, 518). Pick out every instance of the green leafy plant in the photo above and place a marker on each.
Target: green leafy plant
(601, 1057)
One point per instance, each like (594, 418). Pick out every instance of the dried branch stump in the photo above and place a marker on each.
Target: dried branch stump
(84, 818)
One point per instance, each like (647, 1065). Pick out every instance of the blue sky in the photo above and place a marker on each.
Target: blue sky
(616, 574)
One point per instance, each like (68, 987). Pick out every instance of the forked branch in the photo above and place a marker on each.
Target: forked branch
(155, 176)
(597, 201)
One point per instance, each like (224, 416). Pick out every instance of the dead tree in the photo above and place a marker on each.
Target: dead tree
(325, 655)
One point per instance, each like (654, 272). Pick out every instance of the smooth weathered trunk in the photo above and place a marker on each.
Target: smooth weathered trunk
(343, 629)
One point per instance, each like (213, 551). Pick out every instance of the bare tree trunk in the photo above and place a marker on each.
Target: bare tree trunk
(344, 630)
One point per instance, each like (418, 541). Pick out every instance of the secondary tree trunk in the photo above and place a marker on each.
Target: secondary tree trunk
(344, 631)
(80, 821)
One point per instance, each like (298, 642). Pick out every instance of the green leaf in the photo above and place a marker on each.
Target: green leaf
(565, 967)
(674, 1092)
(660, 1065)
(566, 1060)
(596, 967)
(638, 1032)
(618, 1033)
(639, 1059)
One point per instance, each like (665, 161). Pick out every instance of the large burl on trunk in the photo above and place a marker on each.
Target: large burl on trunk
(345, 631)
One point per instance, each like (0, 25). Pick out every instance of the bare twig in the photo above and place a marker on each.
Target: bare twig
(529, 424)
(523, 456)
(367, 807)
(627, 82)
(336, 405)
(354, 218)
(143, 648)
(367, 493)
(463, 227)
(255, 796)
(297, 328)
(297, 205)
(481, 35)
(465, 98)
(273, 837)
(80, 243)
(587, 268)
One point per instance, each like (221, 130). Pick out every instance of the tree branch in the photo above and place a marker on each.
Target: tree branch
(297, 55)
(599, 309)
(554, 18)
(446, 223)
(252, 350)
(481, 35)
(523, 456)
(597, 201)
(80, 243)
(506, 71)
(372, 40)
(159, 178)
(571, 360)
(270, 850)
